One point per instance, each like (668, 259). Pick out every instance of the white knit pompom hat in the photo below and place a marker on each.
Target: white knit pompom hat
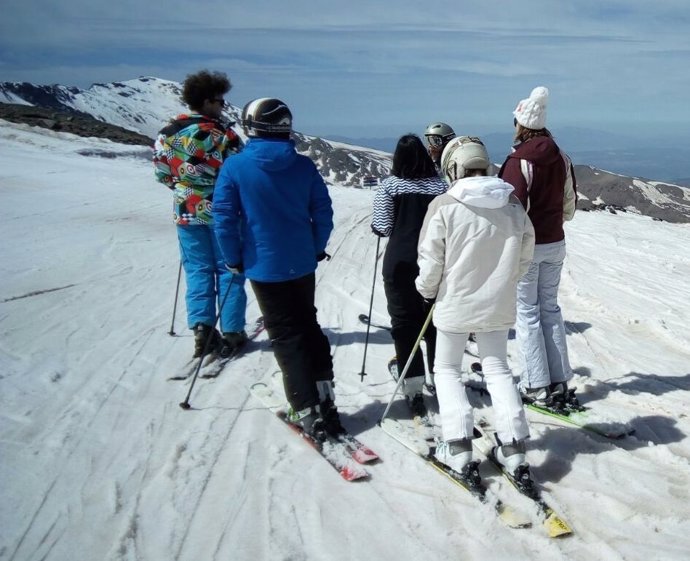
(531, 112)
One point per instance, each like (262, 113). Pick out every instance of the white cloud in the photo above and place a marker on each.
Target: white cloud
(397, 62)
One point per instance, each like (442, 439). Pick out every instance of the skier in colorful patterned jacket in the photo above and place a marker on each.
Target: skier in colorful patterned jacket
(273, 220)
(399, 208)
(544, 181)
(187, 157)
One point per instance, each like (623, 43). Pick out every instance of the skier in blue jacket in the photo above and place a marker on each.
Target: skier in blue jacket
(273, 218)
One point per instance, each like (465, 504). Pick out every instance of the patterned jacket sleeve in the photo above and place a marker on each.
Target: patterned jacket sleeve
(160, 162)
(230, 143)
(383, 217)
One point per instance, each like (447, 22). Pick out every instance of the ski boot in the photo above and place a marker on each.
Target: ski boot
(205, 338)
(309, 420)
(456, 454)
(232, 342)
(329, 411)
(415, 397)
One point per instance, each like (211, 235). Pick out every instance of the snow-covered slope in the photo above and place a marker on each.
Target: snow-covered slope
(98, 462)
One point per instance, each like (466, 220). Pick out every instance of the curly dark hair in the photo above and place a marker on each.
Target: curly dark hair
(204, 85)
(411, 160)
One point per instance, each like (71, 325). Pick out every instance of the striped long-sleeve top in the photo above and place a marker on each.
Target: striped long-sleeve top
(399, 209)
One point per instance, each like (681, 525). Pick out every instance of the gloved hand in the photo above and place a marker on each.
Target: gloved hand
(323, 255)
(428, 303)
(235, 269)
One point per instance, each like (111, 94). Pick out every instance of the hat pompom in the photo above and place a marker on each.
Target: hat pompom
(540, 94)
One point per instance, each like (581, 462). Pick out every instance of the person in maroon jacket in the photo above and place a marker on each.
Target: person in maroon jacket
(544, 181)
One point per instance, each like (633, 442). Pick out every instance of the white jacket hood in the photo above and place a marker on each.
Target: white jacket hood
(481, 191)
(475, 244)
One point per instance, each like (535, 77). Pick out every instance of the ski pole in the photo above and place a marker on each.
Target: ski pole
(177, 292)
(185, 403)
(371, 305)
(401, 378)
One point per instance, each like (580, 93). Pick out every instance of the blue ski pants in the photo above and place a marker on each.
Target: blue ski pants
(208, 281)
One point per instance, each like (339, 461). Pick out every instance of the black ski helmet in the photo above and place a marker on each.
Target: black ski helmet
(267, 116)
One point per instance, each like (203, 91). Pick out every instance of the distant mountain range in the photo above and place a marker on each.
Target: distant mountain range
(661, 158)
(133, 111)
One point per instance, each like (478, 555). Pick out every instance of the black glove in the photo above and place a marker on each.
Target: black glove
(323, 255)
(235, 269)
(428, 303)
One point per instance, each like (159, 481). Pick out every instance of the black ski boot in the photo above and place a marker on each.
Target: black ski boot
(202, 333)
(310, 421)
(329, 412)
(232, 342)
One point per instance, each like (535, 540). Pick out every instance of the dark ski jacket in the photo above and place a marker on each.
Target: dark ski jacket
(544, 181)
(400, 206)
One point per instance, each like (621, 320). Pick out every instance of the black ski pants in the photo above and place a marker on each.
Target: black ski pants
(300, 347)
(408, 313)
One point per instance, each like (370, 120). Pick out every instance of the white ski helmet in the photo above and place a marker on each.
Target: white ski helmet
(443, 130)
(266, 116)
(461, 154)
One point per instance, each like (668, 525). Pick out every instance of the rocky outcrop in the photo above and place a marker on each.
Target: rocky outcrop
(70, 120)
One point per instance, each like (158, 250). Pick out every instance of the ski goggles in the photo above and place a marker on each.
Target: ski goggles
(434, 140)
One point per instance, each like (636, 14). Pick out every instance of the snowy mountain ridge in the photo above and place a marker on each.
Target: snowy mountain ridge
(145, 104)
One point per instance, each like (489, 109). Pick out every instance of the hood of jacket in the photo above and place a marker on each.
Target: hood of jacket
(481, 191)
(271, 154)
(541, 150)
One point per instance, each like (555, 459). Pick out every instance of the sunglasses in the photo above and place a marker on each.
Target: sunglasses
(434, 140)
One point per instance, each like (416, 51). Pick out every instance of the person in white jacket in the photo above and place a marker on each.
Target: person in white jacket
(475, 244)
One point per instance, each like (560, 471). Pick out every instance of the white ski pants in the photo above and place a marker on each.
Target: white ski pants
(457, 418)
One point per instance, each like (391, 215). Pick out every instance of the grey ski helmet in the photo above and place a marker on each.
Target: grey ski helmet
(462, 154)
(443, 130)
(266, 116)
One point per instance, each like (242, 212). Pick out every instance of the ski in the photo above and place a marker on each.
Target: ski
(579, 418)
(509, 515)
(359, 451)
(343, 453)
(213, 363)
(576, 415)
(364, 318)
(554, 524)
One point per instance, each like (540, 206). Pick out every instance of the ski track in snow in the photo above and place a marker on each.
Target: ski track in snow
(99, 462)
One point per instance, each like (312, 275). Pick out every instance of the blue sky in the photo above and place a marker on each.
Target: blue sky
(381, 68)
